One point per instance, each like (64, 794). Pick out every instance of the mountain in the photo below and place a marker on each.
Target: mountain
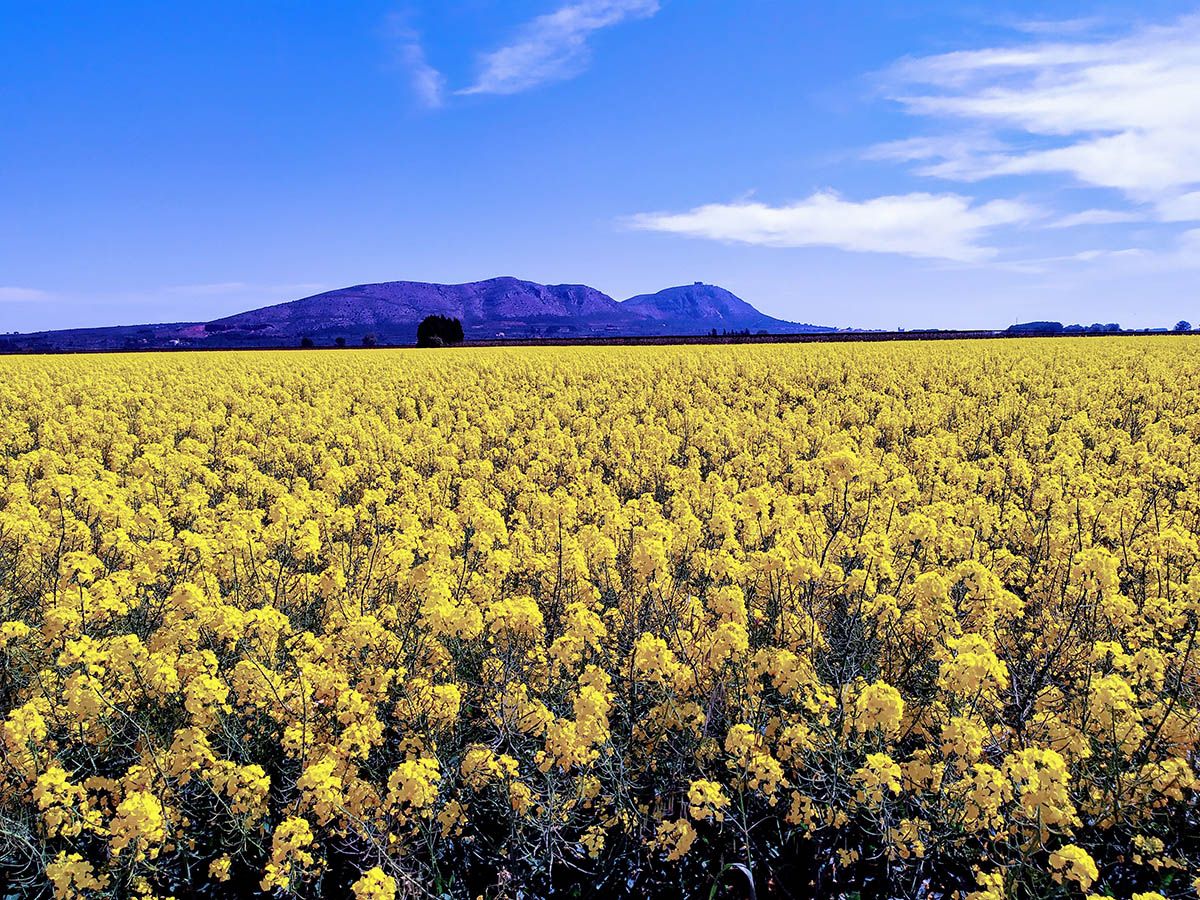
(393, 309)
(701, 307)
(499, 308)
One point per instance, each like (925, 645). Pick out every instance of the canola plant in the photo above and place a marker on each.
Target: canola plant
(901, 620)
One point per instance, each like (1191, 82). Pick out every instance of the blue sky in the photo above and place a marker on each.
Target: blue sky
(866, 164)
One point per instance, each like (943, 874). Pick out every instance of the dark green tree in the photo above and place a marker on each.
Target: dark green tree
(447, 329)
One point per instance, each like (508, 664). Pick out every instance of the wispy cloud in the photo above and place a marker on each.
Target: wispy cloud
(22, 295)
(1062, 27)
(1188, 248)
(1182, 208)
(554, 46)
(1096, 217)
(932, 226)
(1181, 252)
(1120, 113)
(428, 84)
(231, 288)
(216, 289)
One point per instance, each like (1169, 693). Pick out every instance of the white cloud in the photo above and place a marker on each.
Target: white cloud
(1092, 255)
(1182, 208)
(1183, 252)
(229, 288)
(428, 83)
(22, 295)
(1189, 247)
(1120, 113)
(934, 226)
(1097, 217)
(208, 290)
(944, 147)
(554, 46)
(1062, 26)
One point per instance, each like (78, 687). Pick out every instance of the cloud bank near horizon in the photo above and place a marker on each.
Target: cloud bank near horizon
(927, 226)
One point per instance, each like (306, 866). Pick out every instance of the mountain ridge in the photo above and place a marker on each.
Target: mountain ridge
(502, 308)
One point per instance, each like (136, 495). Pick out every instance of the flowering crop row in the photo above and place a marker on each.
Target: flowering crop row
(904, 620)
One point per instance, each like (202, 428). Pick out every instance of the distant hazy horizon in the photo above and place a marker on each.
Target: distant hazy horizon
(936, 165)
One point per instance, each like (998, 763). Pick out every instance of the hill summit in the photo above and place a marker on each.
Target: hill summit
(680, 310)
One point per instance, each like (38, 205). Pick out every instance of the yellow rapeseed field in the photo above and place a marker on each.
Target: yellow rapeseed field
(904, 620)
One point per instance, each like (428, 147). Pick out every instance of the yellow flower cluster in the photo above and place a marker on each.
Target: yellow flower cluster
(375, 885)
(1071, 863)
(607, 620)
